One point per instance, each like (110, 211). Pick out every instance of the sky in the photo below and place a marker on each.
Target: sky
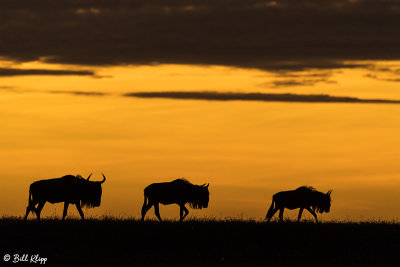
(253, 97)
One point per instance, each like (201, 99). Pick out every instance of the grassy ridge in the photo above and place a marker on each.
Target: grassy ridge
(202, 242)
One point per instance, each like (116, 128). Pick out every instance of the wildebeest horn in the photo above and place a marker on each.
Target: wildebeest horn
(329, 192)
(89, 176)
(104, 179)
(205, 185)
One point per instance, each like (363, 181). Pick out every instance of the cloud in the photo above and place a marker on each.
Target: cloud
(290, 79)
(6, 87)
(376, 77)
(295, 82)
(319, 74)
(384, 73)
(215, 96)
(75, 93)
(6, 72)
(229, 96)
(78, 93)
(282, 35)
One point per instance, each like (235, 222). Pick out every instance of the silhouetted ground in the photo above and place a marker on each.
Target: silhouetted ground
(202, 243)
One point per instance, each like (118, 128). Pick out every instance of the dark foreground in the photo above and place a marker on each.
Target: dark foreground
(200, 243)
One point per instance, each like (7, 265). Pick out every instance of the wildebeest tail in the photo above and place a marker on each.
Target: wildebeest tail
(271, 209)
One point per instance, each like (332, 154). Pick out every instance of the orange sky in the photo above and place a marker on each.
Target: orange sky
(246, 150)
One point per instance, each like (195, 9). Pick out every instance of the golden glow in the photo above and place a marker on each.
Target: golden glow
(246, 150)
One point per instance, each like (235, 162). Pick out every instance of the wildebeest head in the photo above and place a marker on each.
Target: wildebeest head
(325, 202)
(91, 192)
(200, 197)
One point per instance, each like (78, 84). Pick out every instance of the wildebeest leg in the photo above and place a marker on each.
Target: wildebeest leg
(78, 207)
(65, 210)
(281, 214)
(157, 211)
(183, 209)
(39, 209)
(313, 213)
(30, 208)
(300, 212)
(271, 214)
(145, 209)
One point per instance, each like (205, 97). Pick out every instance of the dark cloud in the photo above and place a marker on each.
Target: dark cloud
(215, 96)
(5, 72)
(385, 69)
(387, 74)
(295, 82)
(313, 75)
(289, 79)
(6, 87)
(281, 35)
(78, 93)
(376, 77)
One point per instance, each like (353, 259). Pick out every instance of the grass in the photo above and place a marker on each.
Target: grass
(205, 242)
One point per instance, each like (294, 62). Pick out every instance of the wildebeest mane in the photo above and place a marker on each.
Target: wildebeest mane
(89, 203)
(85, 187)
(308, 188)
(183, 180)
(317, 199)
(195, 202)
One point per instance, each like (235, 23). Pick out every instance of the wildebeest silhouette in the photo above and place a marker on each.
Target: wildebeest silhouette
(68, 189)
(304, 197)
(180, 192)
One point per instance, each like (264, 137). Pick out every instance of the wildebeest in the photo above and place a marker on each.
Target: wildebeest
(180, 192)
(68, 189)
(304, 197)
